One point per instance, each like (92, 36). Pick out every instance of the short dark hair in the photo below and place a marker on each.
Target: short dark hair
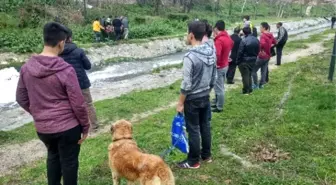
(236, 30)
(198, 28)
(247, 17)
(220, 25)
(265, 25)
(208, 28)
(53, 33)
(279, 23)
(97, 19)
(247, 30)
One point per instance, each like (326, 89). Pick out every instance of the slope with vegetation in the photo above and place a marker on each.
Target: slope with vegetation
(21, 21)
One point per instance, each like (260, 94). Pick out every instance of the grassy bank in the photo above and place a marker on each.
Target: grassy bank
(303, 134)
(122, 104)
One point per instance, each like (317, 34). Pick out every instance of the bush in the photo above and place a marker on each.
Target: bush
(7, 21)
(139, 20)
(21, 40)
(156, 28)
(178, 17)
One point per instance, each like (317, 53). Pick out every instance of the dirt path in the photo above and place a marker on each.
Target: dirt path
(14, 156)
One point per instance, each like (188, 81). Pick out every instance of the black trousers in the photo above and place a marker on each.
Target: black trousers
(63, 152)
(118, 33)
(332, 24)
(197, 119)
(246, 69)
(231, 72)
(279, 49)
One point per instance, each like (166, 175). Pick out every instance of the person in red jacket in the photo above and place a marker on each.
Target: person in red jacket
(266, 41)
(224, 45)
(49, 90)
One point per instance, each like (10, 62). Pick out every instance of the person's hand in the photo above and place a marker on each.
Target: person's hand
(84, 136)
(230, 59)
(180, 107)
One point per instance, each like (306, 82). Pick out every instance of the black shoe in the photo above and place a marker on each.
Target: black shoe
(215, 110)
(231, 82)
(214, 106)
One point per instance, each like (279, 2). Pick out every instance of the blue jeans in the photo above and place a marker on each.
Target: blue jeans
(197, 122)
(220, 88)
(262, 65)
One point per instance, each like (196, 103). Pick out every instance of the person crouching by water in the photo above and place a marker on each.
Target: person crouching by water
(49, 90)
(117, 25)
(97, 27)
(77, 58)
(246, 58)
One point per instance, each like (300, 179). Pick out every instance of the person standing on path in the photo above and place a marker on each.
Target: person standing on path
(266, 42)
(281, 42)
(48, 89)
(246, 59)
(199, 74)
(224, 45)
(333, 20)
(233, 64)
(77, 58)
(97, 29)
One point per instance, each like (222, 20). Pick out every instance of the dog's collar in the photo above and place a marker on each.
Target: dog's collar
(128, 138)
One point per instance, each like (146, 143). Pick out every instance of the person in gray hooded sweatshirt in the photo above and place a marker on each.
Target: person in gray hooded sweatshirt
(199, 76)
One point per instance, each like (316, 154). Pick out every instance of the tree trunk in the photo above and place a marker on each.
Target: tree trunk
(157, 6)
(230, 7)
(243, 7)
(85, 14)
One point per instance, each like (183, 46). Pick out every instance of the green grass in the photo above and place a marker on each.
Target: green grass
(303, 43)
(159, 69)
(306, 130)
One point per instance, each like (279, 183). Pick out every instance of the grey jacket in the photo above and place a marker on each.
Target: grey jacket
(199, 71)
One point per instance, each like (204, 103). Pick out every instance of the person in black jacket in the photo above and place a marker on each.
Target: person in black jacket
(233, 64)
(246, 58)
(281, 39)
(117, 24)
(77, 58)
(333, 20)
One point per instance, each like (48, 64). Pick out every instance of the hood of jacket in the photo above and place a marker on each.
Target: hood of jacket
(68, 48)
(42, 66)
(268, 35)
(205, 52)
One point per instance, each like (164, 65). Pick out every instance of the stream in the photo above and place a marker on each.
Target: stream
(119, 78)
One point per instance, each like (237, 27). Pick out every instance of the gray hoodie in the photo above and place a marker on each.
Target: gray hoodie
(199, 71)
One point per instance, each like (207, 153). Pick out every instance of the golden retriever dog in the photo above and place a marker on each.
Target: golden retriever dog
(127, 161)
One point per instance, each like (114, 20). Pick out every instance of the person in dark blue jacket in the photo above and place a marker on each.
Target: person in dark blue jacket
(77, 58)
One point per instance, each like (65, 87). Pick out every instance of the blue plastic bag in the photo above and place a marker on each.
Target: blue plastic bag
(179, 139)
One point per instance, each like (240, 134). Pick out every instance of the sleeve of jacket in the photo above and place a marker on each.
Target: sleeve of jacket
(77, 101)
(22, 94)
(85, 60)
(186, 85)
(262, 45)
(213, 77)
(281, 34)
(219, 49)
(240, 52)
